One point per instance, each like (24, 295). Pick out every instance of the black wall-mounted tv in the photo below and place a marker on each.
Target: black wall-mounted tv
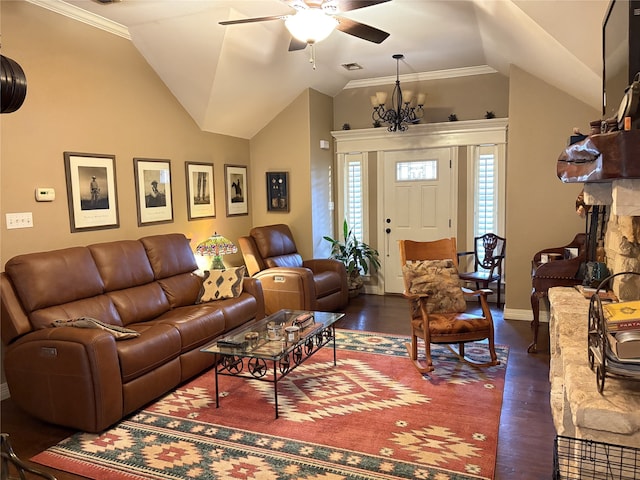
(620, 52)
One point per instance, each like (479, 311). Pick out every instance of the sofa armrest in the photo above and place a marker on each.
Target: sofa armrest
(253, 286)
(325, 264)
(287, 287)
(67, 376)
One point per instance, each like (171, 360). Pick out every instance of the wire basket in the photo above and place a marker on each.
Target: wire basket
(575, 459)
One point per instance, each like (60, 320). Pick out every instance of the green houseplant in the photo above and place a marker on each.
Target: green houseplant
(357, 257)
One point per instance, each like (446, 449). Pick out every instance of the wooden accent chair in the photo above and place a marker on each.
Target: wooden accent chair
(438, 305)
(488, 254)
(288, 281)
(558, 273)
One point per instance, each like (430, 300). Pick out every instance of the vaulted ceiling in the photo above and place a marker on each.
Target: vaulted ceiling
(234, 79)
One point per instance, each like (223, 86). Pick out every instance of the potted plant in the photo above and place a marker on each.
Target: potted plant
(357, 257)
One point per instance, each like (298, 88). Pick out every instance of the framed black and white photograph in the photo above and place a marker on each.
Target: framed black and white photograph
(277, 191)
(235, 183)
(200, 190)
(153, 191)
(91, 191)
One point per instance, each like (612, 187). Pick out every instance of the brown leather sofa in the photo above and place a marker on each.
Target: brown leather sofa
(84, 378)
(271, 256)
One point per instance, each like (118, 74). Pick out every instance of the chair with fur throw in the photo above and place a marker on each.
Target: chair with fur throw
(438, 305)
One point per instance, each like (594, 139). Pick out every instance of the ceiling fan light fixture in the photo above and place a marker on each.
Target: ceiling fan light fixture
(311, 25)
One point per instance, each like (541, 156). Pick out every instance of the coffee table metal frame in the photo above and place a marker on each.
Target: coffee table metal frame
(271, 360)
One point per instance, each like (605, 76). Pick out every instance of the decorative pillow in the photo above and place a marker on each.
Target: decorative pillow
(219, 284)
(120, 333)
(439, 279)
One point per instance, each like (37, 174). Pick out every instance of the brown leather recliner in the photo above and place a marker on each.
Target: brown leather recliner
(271, 255)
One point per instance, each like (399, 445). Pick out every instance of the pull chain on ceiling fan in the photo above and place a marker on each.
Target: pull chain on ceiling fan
(314, 20)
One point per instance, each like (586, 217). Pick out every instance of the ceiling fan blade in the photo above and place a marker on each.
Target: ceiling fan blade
(252, 20)
(296, 44)
(348, 5)
(361, 30)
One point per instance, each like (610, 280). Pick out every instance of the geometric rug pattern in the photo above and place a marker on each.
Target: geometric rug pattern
(373, 416)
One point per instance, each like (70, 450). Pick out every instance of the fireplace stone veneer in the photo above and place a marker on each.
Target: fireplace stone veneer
(578, 409)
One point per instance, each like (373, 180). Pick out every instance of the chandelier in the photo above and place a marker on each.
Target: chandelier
(404, 110)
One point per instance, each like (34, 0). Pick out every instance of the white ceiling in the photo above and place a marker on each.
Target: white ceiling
(234, 79)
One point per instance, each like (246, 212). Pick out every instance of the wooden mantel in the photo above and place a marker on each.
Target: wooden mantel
(601, 158)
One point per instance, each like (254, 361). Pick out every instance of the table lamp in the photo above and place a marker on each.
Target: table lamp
(216, 246)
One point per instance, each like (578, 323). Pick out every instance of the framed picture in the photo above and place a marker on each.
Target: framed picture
(235, 185)
(278, 191)
(200, 190)
(91, 191)
(153, 191)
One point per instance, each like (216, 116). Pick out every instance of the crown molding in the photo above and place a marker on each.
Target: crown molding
(71, 11)
(423, 135)
(422, 76)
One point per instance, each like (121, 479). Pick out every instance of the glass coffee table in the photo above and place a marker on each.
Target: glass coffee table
(269, 349)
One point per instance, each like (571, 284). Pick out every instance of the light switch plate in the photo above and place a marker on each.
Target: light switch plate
(19, 220)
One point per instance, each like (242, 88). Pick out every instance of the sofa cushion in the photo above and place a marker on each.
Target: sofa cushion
(221, 284)
(196, 324)
(169, 254)
(156, 345)
(274, 240)
(439, 279)
(53, 278)
(100, 307)
(182, 289)
(290, 260)
(122, 264)
(139, 304)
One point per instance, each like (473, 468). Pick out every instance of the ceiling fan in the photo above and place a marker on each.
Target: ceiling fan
(314, 20)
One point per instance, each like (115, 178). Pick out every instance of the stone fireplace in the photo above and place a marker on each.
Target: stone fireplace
(622, 236)
(609, 166)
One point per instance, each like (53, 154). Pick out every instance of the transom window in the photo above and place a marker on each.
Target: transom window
(416, 170)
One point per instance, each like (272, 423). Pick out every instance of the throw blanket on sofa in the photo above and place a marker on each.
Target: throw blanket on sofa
(120, 333)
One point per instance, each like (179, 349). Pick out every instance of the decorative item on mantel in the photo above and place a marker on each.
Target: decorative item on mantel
(403, 110)
(216, 246)
(453, 117)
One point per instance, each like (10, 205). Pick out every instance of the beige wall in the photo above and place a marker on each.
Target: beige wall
(91, 91)
(540, 208)
(468, 97)
(291, 143)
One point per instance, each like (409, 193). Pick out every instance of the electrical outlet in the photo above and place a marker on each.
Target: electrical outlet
(19, 220)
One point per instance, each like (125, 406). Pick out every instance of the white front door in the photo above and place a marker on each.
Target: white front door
(419, 203)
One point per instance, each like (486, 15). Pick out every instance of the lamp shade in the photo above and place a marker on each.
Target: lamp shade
(216, 245)
(311, 25)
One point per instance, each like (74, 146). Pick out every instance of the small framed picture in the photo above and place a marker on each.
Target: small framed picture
(235, 183)
(200, 190)
(153, 191)
(278, 191)
(91, 191)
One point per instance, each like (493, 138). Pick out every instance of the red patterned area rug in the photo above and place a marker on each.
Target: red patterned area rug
(373, 416)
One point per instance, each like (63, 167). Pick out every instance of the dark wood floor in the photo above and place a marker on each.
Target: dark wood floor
(525, 445)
